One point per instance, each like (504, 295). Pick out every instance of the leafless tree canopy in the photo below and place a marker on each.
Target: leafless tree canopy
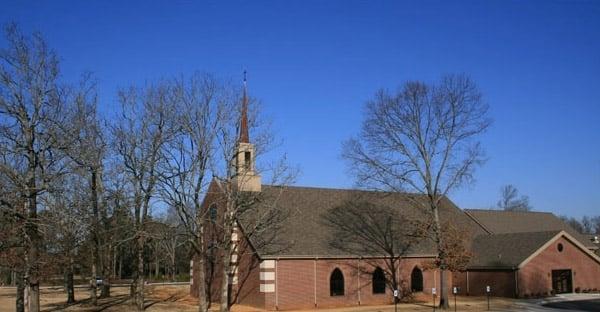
(422, 139)
(32, 112)
(511, 201)
(79, 193)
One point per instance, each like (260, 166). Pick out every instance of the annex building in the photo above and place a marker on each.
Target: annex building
(518, 254)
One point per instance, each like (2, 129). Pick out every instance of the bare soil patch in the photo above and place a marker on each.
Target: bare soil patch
(161, 298)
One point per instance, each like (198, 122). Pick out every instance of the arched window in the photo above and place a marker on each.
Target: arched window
(378, 281)
(416, 280)
(336, 283)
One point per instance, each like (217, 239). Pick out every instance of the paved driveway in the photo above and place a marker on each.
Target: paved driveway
(565, 302)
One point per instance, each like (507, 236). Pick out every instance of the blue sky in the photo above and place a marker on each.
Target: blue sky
(313, 64)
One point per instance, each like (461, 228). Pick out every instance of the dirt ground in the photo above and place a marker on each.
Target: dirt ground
(175, 298)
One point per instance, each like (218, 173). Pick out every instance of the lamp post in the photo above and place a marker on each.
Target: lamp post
(433, 292)
(488, 290)
(395, 300)
(454, 291)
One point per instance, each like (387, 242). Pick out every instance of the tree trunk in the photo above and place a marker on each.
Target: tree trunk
(139, 291)
(156, 267)
(442, 258)
(105, 291)
(106, 274)
(114, 263)
(443, 293)
(32, 273)
(105, 259)
(201, 273)
(93, 284)
(20, 304)
(225, 282)
(95, 237)
(173, 268)
(69, 286)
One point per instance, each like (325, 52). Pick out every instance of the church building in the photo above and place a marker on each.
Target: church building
(517, 254)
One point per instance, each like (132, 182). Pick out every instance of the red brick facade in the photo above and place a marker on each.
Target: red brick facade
(304, 283)
(534, 278)
(474, 282)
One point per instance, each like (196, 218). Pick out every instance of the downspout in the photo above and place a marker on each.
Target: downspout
(516, 283)
(315, 281)
(276, 286)
(467, 282)
(358, 278)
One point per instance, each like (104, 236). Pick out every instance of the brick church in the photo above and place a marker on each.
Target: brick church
(518, 254)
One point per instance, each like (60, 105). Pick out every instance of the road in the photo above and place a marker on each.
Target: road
(564, 302)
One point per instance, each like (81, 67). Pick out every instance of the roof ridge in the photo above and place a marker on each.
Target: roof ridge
(524, 233)
(506, 211)
(339, 189)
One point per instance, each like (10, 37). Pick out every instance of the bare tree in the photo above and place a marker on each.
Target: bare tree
(140, 137)
(596, 224)
(421, 139)
(31, 116)
(203, 102)
(235, 181)
(511, 201)
(12, 232)
(88, 151)
(66, 226)
(587, 224)
(378, 233)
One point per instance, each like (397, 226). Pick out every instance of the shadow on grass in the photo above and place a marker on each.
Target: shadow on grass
(171, 298)
(103, 304)
(85, 304)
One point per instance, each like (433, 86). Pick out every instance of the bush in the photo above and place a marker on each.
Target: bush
(577, 289)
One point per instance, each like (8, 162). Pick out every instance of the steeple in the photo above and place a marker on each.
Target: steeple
(244, 137)
(246, 179)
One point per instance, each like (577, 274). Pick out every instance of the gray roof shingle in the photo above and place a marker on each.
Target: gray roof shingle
(507, 250)
(308, 236)
(503, 222)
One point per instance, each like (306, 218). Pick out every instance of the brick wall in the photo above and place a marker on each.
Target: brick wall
(501, 282)
(536, 276)
(304, 283)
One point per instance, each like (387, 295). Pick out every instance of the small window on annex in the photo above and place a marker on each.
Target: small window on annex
(336, 283)
(379, 281)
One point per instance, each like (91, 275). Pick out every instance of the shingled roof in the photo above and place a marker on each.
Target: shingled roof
(504, 222)
(308, 236)
(507, 250)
